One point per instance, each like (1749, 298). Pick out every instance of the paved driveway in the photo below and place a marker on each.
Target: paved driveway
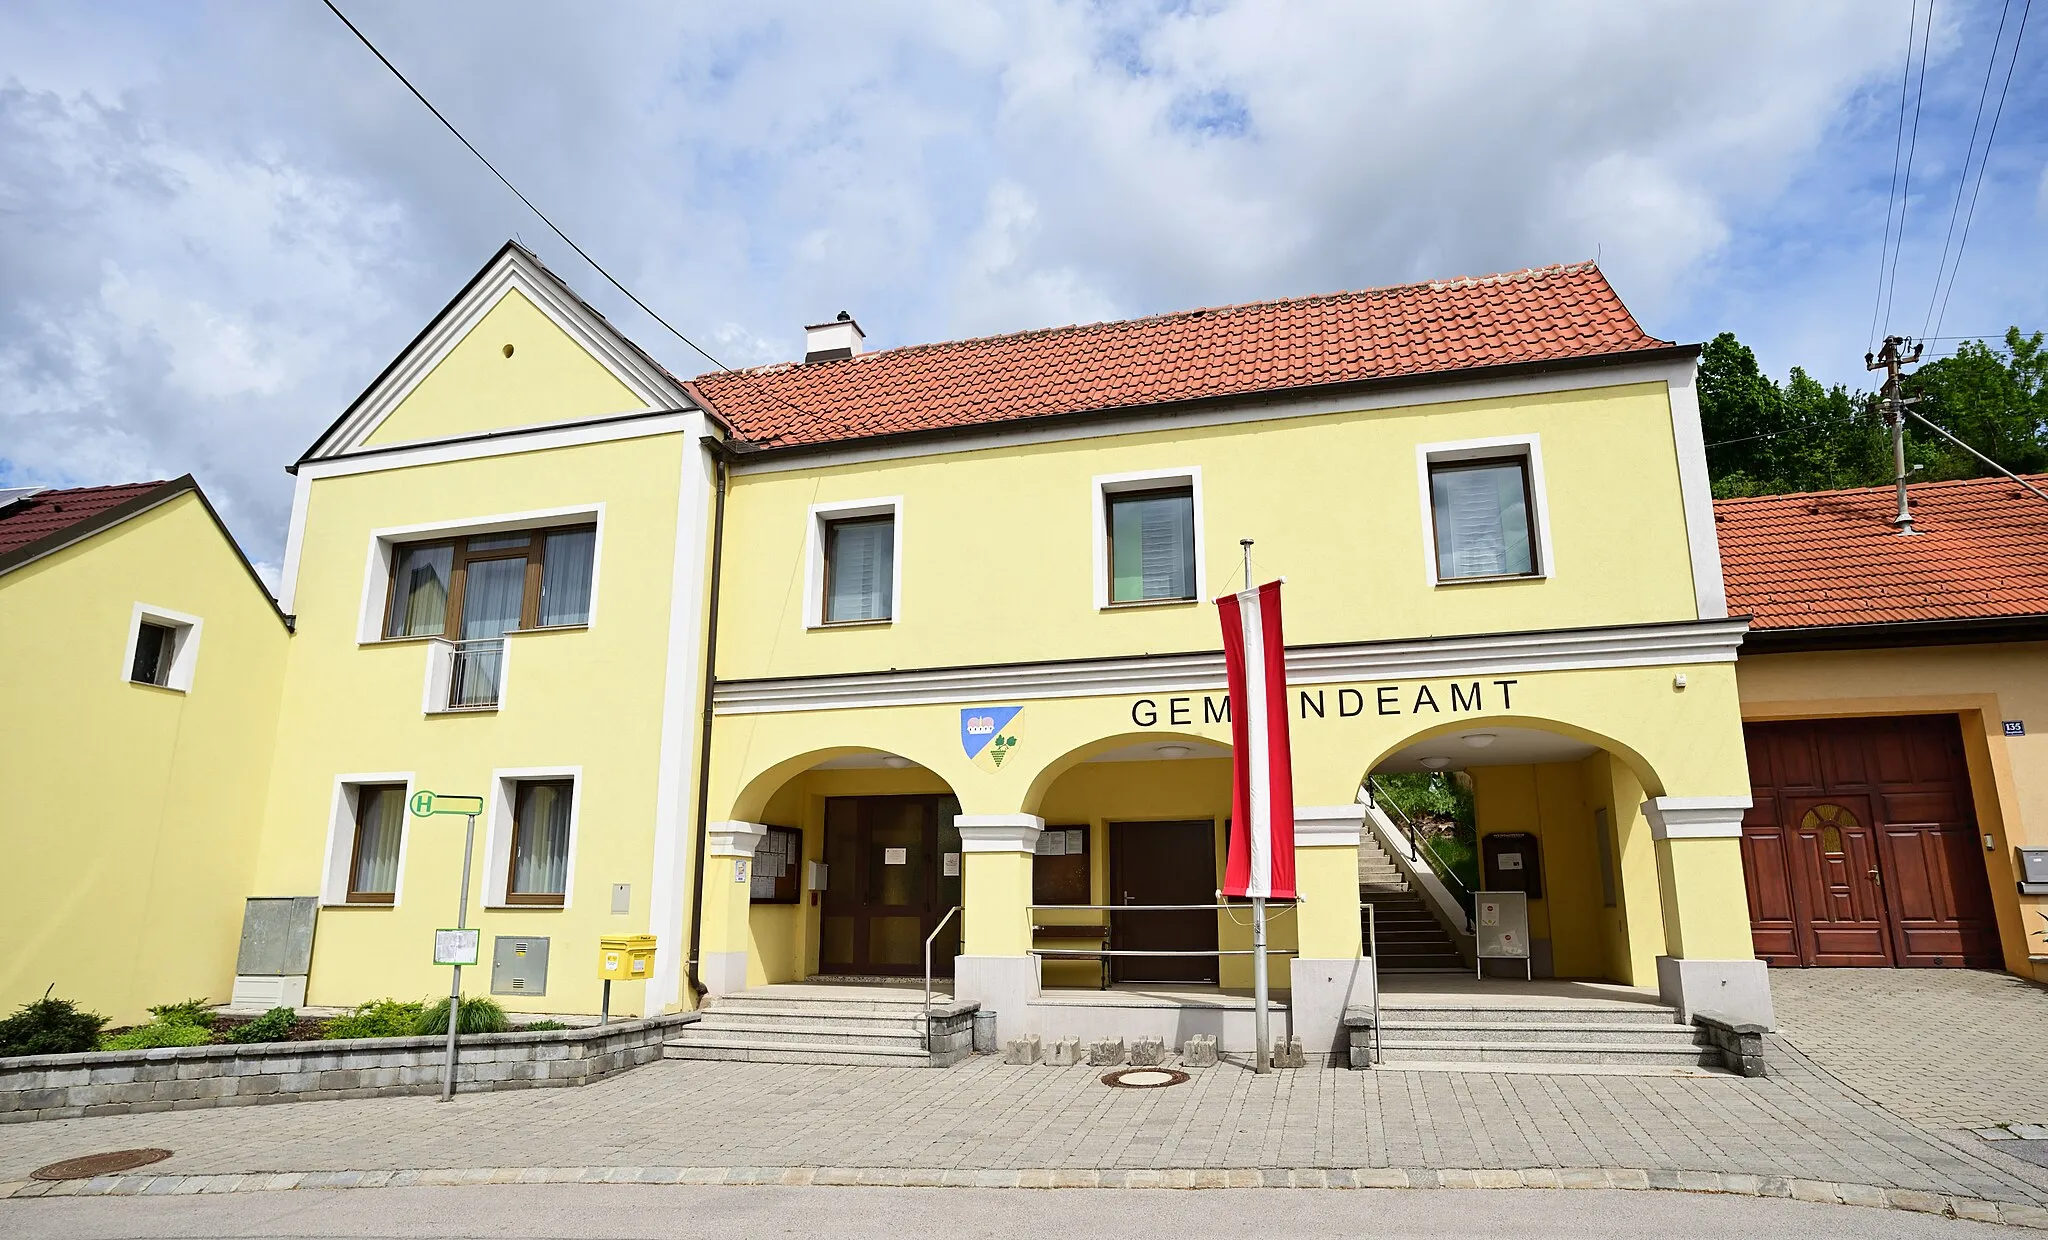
(1945, 1048)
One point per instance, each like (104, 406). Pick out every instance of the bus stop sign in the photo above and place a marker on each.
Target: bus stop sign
(425, 803)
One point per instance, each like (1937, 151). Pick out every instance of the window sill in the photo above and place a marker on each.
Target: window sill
(523, 906)
(1491, 581)
(852, 624)
(1143, 604)
(143, 684)
(443, 637)
(492, 709)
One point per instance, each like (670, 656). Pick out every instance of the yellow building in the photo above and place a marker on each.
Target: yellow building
(1895, 695)
(967, 656)
(139, 678)
(495, 558)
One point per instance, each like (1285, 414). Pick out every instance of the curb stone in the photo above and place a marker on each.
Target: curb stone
(2016, 1214)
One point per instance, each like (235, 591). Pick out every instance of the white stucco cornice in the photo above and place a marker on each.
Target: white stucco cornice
(999, 833)
(734, 839)
(1695, 818)
(1328, 826)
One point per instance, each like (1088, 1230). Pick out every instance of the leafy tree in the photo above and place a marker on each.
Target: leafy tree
(1994, 400)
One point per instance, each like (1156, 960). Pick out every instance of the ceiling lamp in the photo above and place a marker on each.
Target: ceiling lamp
(1174, 751)
(1478, 740)
(893, 760)
(1436, 764)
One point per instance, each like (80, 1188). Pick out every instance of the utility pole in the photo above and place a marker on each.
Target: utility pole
(1888, 360)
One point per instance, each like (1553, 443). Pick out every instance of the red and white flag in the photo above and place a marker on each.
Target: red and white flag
(1261, 861)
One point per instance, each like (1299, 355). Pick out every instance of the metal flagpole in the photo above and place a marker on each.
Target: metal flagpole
(455, 987)
(1262, 1051)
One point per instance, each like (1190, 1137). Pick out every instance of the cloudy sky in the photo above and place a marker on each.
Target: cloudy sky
(219, 221)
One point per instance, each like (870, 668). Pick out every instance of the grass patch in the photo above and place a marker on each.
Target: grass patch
(477, 1016)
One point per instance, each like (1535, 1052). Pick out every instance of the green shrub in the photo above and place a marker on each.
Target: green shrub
(273, 1026)
(50, 1027)
(191, 1012)
(544, 1026)
(478, 1016)
(158, 1033)
(379, 1018)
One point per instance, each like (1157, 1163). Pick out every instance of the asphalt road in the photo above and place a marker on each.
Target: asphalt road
(628, 1212)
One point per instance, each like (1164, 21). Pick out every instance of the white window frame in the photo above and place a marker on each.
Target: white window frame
(1500, 447)
(1102, 486)
(384, 542)
(185, 631)
(819, 517)
(341, 838)
(498, 833)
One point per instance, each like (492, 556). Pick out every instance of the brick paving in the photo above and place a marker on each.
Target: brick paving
(983, 1117)
(1945, 1048)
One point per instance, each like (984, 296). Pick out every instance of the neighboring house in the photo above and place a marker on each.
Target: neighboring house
(1895, 697)
(966, 652)
(496, 558)
(139, 680)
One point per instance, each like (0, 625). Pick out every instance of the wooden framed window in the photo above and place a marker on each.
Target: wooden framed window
(373, 860)
(777, 876)
(539, 872)
(1483, 514)
(1151, 544)
(154, 646)
(488, 584)
(860, 569)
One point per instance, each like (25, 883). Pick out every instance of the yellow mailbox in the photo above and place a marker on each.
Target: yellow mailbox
(625, 957)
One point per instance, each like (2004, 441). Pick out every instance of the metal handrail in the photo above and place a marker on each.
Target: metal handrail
(1235, 951)
(928, 975)
(476, 667)
(1271, 906)
(1381, 799)
(1421, 841)
(1372, 940)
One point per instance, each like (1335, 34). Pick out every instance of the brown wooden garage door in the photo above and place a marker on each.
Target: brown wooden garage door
(1861, 847)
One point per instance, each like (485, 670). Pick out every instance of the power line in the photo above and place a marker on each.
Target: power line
(566, 239)
(1891, 195)
(1906, 185)
(1963, 176)
(1984, 163)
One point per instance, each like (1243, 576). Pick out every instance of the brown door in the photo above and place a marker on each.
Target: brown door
(1861, 847)
(886, 885)
(1163, 863)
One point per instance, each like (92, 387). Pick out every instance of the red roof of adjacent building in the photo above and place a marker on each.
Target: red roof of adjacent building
(1831, 558)
(50, 512)
(1539, 315)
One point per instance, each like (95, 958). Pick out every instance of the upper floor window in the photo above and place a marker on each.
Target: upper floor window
(1483, 511)
(1151, 544)
(163, 647)
(154, 645)
(860, 568)
(373, 861)
(485, 585)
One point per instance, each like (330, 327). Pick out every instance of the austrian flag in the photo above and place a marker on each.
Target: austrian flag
(1261, 861)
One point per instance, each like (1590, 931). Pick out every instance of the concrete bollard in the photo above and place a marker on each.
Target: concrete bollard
(1287, 1053)
(1199, 1052)
(1148, 1052)
(1105, 1052)
(1063, 1053)
(1022, 1052)
(984, 1033)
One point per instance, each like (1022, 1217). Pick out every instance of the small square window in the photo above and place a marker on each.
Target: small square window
(1484, 518)
(540, 842)
(373, 861)
(860, 569)
(1151, 545)
(155, 646)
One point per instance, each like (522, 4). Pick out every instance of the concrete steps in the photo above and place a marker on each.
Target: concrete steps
(1614, 1037)
(808, 1024)
(1411, 940)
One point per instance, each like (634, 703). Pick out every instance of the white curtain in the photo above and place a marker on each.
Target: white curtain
(863, 567)
(492, 592)
(1154, 538)
(540, 846)
(419, 606)
(1482, 521)
(380, 816)
(566, 565)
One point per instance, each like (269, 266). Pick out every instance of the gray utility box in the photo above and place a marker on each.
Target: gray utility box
(2033, 871)
(519, 965)
(276, 953)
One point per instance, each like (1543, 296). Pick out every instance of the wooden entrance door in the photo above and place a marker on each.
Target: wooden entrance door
(1861, 845)
(1163, 863)
(887, 884)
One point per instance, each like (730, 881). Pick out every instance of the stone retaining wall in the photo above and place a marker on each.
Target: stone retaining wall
(949, 1034)
(188, 1077)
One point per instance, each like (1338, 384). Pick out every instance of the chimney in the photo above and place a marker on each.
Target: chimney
(828, 342)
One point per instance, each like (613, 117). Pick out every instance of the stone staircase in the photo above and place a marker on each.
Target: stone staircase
(1613, 1037)
(1411, 939)
(809, 1024)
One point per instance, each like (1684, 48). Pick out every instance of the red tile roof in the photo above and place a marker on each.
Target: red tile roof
(1540, 315)
(1829, 558)
(48, 512)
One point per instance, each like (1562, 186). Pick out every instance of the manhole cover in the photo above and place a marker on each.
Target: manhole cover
(1143, 1078)
(111, 1163)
